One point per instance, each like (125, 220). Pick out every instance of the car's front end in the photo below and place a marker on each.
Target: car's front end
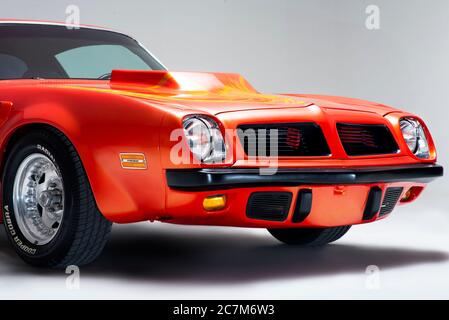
(320, 164)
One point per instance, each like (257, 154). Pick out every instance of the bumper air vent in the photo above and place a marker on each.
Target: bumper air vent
(391, 198)
(272, 206)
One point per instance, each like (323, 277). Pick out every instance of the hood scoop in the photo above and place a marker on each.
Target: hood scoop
(179, 82)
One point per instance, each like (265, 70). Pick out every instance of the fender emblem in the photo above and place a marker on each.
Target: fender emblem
(133, 161)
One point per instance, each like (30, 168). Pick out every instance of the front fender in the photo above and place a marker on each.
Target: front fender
(101, 126)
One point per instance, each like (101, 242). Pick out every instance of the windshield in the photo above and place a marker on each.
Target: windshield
(56, 52)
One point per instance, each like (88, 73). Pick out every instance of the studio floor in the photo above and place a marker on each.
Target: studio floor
(405, 256)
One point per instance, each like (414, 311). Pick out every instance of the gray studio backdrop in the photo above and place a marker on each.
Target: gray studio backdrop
(307, 46)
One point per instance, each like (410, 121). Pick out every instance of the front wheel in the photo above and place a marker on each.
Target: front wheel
(49, 211)
(309, 236)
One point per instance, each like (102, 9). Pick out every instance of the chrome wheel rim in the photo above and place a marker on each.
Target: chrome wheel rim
(38, 199)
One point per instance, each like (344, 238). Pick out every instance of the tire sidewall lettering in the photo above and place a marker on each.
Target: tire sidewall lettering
(14, 235)
(46, 152)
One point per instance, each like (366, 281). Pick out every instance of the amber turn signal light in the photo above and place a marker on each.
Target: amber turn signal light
(411, 194)
(214, 203)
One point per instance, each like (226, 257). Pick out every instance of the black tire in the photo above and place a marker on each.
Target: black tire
(83, 231)
(309, 236)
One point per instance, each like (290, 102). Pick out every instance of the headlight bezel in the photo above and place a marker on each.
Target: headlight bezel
(418, 144)
(212, 150)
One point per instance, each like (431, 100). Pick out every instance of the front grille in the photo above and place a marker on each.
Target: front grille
(366, 139)
(391, 198)
(273, 206)
(293, 140)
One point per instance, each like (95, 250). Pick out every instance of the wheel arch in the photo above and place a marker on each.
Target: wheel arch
(18, 133)
(21, 131)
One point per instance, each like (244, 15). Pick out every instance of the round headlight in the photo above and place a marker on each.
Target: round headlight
(415, 138)
(205, 139)
(410, 134)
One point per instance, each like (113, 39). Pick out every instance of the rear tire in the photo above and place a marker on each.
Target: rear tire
(309, 236)
(49, 211)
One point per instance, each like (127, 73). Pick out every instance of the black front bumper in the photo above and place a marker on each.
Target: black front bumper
(217, 179)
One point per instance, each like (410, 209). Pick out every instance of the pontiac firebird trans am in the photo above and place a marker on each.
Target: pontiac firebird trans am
(95, 130)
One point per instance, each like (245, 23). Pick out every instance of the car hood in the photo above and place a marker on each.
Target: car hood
(216, 93)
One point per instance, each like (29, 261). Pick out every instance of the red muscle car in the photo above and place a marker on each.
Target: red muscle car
(95, 130)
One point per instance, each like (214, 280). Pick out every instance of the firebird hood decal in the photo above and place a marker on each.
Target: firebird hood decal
(187, 82)
(178, 87)
(214, 92)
